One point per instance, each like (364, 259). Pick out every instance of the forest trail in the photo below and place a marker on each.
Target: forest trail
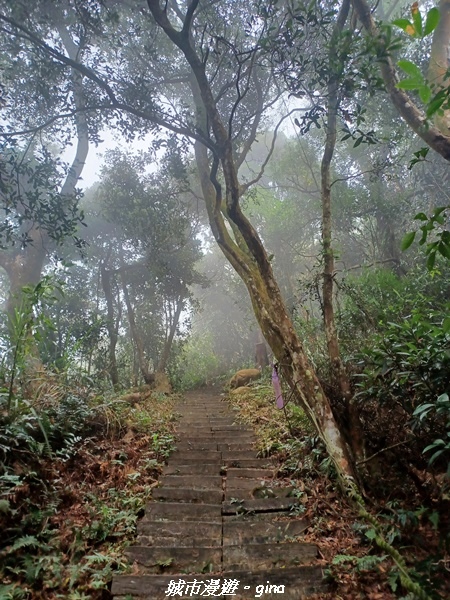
(218, 525)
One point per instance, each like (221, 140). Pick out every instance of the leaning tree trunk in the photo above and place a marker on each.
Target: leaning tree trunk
(275, 323)
(438, 69)
(245, 250)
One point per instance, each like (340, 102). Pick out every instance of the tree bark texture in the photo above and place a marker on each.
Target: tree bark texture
(24, 265)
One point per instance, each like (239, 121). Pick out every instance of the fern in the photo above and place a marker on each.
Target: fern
(27, 541)
(11, 592)
(359, 563)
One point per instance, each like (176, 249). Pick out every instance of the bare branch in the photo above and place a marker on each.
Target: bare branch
(245, 187)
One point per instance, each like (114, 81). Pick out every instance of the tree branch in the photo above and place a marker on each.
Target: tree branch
(403, 103)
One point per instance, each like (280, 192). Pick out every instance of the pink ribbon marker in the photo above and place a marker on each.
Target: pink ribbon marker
(277, 388)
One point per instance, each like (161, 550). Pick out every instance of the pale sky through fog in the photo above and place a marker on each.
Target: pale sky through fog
(95, 158)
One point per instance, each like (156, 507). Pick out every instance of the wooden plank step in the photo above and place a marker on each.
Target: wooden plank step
(219, 436)
(188, 495)
(267, 556)
(188, 445)
(238, 454)
(197, 468)
(246, 463)
(259, 491)
(183, 531)
(197, 482)
(175, 559)
(200, 455)
(248, 531)
(256, 506)
(237, 446)
(186, 458)
(173, 511)
(238, 474)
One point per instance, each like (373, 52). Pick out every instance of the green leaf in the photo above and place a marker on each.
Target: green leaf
(444, 249)
(371, 534)
(417, 20)
(410, 69)
(431, 260)
(424, 237)
(434, 445)
(393, 580)
(408, 240)
(435, 456)
(436, 103)
(422, 408)
(421, 217)
(431, 21)
(404, 24)
(425, 93)
(434, 519)
(409, 84)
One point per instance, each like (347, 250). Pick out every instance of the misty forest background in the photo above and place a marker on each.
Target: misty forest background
(279, 174)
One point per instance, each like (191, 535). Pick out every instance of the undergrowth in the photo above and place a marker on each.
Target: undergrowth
(75, 473)
(355, 565)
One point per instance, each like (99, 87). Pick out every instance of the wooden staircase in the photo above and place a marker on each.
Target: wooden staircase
(218, 526)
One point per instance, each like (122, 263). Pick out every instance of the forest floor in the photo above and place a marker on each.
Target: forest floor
(97, 494)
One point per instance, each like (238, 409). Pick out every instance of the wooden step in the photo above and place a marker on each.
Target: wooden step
(206, 528)
(267, 556)
(252, 531)
(175, 559)
(186, 494)
(179, 511)
(254, 506)
(182, 533)
(196, 468)
(195, 481)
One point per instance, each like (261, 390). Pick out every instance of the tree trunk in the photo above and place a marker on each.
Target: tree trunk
(165, 355)
(24, 266)
(438, 68)
(261, 358)
(339, 375)
(149, 378)
(277, 327)
(111, 326)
